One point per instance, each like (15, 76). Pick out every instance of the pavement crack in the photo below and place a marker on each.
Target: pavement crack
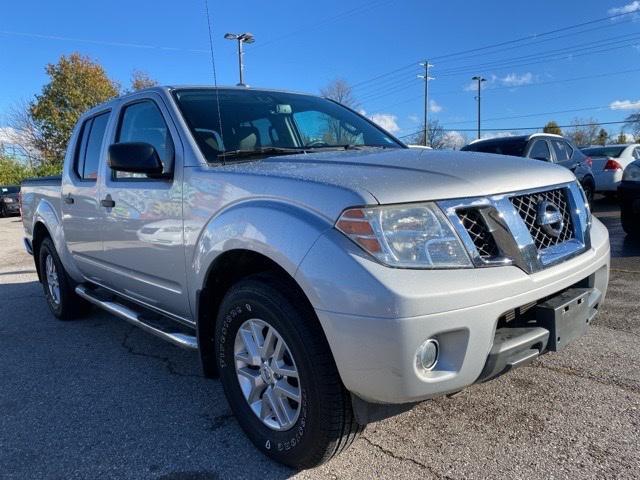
(403, 458)
(170, 367)
(621, 270)
(219, 421)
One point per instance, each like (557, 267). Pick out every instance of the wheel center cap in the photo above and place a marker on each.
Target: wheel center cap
(266, 372)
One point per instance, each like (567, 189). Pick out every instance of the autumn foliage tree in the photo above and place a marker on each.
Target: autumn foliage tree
(552, 127)
(141, 80)
(76, 84)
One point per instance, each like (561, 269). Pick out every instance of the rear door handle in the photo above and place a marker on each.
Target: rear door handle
(108, 202)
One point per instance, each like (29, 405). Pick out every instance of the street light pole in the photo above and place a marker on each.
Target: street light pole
(479, 79)
(241, 38)
(426, 79)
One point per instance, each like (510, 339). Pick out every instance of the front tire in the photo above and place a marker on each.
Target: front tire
(58, 287)
(279, 375)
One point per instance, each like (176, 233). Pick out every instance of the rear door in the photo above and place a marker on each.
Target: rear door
(81, 212)
(143, 229)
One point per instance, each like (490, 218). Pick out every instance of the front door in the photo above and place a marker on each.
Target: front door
(143, 229)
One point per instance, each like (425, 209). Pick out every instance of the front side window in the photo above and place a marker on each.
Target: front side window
(540, 151)
(143, 122)
(251, 121)
(563, 150)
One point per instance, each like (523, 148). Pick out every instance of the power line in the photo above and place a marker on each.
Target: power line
(536, 84)
(501, 44)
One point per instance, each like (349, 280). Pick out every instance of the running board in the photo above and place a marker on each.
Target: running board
(181, 340)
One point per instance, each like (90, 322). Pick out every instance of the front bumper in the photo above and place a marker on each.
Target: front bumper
(12, 208)
(375, 317)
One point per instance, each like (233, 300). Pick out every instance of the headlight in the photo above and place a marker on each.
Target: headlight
(411, 236)
(632, 173)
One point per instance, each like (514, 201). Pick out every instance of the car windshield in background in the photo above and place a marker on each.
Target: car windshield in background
(613, 152)
(272, 123)
(503, 146)
(4, 190)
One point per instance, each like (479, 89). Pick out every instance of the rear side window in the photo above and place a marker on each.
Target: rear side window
(540, 151)
(143, 122)
(563, 150)
(88, 151)
(614, 152)
(502, 146)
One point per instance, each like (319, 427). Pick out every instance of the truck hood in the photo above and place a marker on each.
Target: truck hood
(407, 175)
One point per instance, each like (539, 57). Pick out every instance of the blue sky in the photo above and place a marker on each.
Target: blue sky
(304, 45)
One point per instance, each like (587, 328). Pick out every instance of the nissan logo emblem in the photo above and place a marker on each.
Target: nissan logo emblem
(550, 218)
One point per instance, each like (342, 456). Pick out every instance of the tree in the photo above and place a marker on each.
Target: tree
(633, 121)
(602, 137)
(552, 127)
(141, 80)
(435, 136)
(622, 137)
(340, 91)
(583, 131)
(76, 84)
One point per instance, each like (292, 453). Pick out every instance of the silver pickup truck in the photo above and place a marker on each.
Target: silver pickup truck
(326, 273)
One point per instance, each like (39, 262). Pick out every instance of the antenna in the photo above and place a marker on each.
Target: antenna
(215, 77)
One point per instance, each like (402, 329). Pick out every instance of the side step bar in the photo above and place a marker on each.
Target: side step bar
(182, 340)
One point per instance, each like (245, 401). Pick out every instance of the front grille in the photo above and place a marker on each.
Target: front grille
(527, 207)
(479, 233)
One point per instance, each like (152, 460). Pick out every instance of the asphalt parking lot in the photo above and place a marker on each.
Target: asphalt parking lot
(98, 398)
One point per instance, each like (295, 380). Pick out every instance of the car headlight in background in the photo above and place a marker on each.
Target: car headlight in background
(411, 236)
(632, 173)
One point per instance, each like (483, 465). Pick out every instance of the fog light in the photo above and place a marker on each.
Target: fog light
(427, 354)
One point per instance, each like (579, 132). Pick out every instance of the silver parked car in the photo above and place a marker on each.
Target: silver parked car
(609, 164)
(326, 273)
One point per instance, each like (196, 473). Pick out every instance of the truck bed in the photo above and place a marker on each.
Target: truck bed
(35, 190)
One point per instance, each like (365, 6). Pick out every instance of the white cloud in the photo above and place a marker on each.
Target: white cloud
(515, 80)
(628, 8)
(625, 105)
(454, 140)
(434, 106)
(488, 135)
(414, 118)
(8, 135)
(387, 121)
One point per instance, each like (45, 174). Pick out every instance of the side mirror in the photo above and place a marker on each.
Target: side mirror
(135, 157)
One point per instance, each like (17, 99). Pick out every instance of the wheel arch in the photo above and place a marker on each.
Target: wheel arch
(227, 269)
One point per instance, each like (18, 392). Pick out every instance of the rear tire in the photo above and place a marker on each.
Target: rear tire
(58, 287)
(630, 221)
(322, 423)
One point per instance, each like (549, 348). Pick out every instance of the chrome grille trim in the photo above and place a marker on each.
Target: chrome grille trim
(515, 241)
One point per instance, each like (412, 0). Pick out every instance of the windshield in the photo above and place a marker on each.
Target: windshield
(273, 122)
(502, 146)
(613, 152)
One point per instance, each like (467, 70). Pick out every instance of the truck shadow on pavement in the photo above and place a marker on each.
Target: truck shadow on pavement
(98, 398)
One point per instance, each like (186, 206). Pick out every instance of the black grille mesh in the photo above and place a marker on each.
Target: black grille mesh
(479, 233)
(527, 207)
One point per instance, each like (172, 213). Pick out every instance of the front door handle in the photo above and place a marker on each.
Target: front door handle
(69, 199)
(108, 202)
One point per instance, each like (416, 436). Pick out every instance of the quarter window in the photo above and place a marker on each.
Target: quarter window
(563, 150)
(143, 122)
(540, 151)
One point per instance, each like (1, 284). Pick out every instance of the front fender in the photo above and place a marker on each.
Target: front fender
(282, 232)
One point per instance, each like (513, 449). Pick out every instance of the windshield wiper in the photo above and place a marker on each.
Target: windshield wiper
(259, 152)
(346, 146)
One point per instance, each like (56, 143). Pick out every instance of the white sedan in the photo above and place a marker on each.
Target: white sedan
(609, 163)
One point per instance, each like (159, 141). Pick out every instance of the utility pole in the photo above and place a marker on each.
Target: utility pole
(479, 79)
(426, 79)
(241, 38)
